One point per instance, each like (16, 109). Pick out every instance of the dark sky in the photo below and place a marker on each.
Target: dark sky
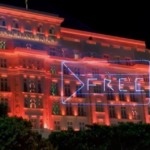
(131, 20)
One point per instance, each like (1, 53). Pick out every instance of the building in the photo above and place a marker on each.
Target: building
(41, 64)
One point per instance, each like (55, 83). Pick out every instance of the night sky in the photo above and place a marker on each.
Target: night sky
(130, 20)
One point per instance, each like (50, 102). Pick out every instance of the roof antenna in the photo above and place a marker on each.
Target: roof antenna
(26, 2)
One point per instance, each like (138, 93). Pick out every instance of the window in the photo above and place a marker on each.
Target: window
(34, 122)
(32, 86)
(51, 30)
(95, 72)
(3, 63)
(97, 89)
(112, 113)
(39, 29)
(81, 126)
(53, 69)
(25, 89)
(2, 22)
(38, 64)
(54, 89)
(106, 56)
(39, 87)
(52, 51)
(146, 78)
(4, 100)
(117, 60)
(147, 94)
(69, 125)
(69, 109)
(110, 95)
(4, 84)
(132, 96)
(99, 107)
(67, 90)
(123, 113)
(33, 102)
(41, 123)
(65, 70)
(134, 113)
(2, 44)
(77, 71)
(121, 96)
(56, 108)
(79, 92)
(81, 110)
(57, 125)
(15, 24)
(28, 26)
(128, 61)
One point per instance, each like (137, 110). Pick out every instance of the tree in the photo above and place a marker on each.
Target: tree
(124, 136)
(16, 134)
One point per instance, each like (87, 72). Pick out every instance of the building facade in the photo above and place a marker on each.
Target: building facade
(61, 78)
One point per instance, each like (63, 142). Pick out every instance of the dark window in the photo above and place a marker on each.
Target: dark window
(123, 113)
(51, 30)
(110, 94)
(77, 71)
(97, 89)
(4, 84)
(79, 92)
(81, 126)
(99, 107)
(15, 24)
(69, 109)
(57, 125)
(69, 125)
(67, 90)
(121, 96)
(2, 22)
(25, 89)
(128, 62)
(81, 110)
(112, 112)
(3, 63)
(132, 96)
(39, 87)
(39, 29)
(65, 70)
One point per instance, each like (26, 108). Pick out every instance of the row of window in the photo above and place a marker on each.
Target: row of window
(118, 60)
(28, 26)
(124, 115)
(69, 125)
(69, 111)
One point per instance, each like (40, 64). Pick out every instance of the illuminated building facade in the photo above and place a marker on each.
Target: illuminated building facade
(33, 46)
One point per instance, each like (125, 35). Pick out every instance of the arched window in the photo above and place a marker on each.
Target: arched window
(40, 28)
(2, 22)
(15, 24)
